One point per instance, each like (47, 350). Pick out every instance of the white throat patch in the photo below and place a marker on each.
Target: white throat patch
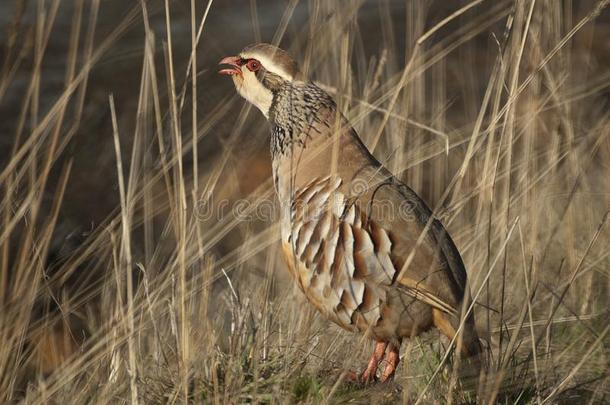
(250, 88)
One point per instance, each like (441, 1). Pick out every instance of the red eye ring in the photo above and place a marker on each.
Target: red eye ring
(253, 65)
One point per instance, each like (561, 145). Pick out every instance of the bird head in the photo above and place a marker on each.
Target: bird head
(258, 72)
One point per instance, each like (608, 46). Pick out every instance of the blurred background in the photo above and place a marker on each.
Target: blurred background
(118, 137)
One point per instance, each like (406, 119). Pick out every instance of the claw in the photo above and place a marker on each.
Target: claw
(367, 378)
(361, 379)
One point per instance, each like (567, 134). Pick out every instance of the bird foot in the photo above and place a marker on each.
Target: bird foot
(362, 378)
(369, 375)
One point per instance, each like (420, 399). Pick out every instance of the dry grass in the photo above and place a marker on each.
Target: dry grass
(495, 111)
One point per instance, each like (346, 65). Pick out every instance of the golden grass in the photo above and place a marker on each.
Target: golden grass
(494, 111)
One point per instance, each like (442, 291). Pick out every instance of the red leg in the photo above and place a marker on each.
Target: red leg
(392, 360)
(370, 373)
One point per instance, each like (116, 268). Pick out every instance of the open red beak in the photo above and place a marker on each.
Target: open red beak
(234, 62)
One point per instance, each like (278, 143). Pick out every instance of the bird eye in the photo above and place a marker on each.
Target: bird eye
(253, 65)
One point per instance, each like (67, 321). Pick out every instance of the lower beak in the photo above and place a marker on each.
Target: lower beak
(232, 61)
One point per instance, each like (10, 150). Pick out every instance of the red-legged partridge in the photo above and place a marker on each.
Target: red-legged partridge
(361, 245)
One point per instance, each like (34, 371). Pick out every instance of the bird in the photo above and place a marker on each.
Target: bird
(361, 245)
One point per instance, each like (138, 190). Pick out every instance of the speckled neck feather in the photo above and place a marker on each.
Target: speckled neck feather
(292, 113)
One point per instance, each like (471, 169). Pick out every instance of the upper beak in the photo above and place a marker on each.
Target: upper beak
(233, 61)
